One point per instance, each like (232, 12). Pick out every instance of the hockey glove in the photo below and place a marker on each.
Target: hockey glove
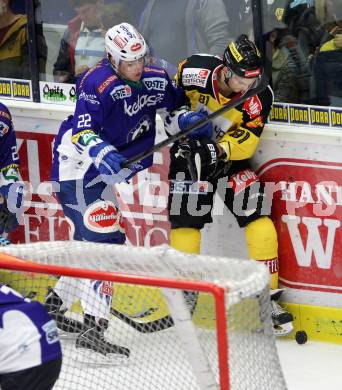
(189, 118)
(109, 162)
(198, 154)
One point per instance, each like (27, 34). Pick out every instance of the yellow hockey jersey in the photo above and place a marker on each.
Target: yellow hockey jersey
(237, 130)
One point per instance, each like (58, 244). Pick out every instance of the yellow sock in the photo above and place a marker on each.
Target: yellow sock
(187, 240)
(262, 245)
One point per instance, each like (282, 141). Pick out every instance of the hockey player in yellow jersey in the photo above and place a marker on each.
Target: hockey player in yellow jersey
(218, 163)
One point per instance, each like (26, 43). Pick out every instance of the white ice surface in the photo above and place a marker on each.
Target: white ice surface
(312, 366)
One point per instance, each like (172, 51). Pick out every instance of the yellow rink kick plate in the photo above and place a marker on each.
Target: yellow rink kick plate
(320, 323)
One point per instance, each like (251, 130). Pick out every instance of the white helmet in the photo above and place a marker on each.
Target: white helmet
(124, 42)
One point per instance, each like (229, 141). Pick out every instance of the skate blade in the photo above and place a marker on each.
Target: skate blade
(283, 330)
(95, 358)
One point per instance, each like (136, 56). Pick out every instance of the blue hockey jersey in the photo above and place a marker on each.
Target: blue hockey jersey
(9, 159)
(28, 336)
(120, 112)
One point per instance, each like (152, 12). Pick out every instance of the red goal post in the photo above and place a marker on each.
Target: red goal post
(237, 310)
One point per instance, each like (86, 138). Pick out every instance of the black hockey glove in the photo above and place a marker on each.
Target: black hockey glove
(198, 154)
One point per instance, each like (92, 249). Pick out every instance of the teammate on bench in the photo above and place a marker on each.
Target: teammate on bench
(11, 189)
(223, 158)
(114, 120)
(31, 356)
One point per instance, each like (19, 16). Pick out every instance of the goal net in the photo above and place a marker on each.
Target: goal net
(188, 321)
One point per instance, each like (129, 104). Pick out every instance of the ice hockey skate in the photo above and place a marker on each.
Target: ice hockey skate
(93, 348)
(282, 319)
(68, 327)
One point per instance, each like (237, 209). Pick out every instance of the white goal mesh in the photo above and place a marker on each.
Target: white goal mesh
(162, 311)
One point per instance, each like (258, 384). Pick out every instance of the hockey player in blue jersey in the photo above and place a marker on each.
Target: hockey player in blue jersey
(11, 189)
(114, 120)
(30, 351)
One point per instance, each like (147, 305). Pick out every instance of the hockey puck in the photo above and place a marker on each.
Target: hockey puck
(301, 337)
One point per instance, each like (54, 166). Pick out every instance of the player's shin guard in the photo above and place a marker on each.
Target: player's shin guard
(187, 240)
(262, 244)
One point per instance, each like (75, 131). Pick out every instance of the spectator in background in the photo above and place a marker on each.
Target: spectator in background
(284, 83)
(328, 72)
(290, 69)
(114, 13)
(301, 19)
(11, 189)
(14, 54)
(240, 17)
(327, 79)
(176, 29)
(82, 45)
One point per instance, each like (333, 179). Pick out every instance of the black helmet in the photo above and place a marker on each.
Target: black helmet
(243, 58)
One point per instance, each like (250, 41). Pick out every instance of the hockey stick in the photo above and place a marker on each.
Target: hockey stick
(155, 325)
(239, 99)
(144, 327)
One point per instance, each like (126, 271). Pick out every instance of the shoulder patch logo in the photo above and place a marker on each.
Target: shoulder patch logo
(105, 84)
(195, 76)
(253, 106)
(121, 92)
(156, 83)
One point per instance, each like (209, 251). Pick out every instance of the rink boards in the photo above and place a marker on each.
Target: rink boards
(303, 158)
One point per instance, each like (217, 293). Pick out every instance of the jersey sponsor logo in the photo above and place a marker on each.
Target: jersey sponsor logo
(195, 76)
(119, 41)
(156, 83)
(103, 217)
(203, 73)
(84, 137)
(148, 69)
(51, 332)
(121, 92)
(10, 172)
(144, 100)
(105, 84)
(142, 127)
(243, 179)
(253, 106)
(189, 187)
(255, 123)
(136, 46)
(3, 129)
(272, 265)
(91, 98)
(106, 288)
